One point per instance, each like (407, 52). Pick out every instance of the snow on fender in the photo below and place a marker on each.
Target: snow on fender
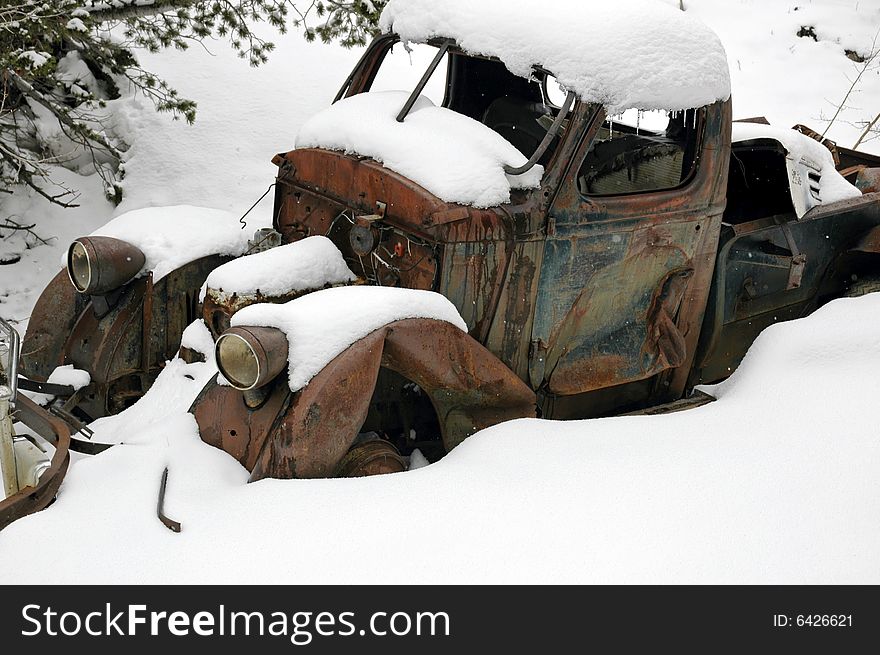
(320, 325)
(173, 236)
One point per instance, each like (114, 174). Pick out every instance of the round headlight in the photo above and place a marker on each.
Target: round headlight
(78, 267)
(99, 265)
(251, 357)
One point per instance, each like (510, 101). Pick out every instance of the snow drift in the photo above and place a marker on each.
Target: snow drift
(773, 483)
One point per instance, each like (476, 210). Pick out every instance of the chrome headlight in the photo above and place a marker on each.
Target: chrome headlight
(251, 357)
(99, 265)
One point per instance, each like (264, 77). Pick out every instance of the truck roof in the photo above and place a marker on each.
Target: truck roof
(622, 54)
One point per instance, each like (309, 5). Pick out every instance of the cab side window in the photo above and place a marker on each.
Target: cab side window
(641, 151)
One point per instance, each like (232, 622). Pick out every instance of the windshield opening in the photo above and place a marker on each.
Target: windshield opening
(478, 87)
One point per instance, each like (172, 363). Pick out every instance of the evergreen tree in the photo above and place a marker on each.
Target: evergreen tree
(61, 60)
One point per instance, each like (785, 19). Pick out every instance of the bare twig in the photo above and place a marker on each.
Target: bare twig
(14, 225)
(866, 131)
(864, 67)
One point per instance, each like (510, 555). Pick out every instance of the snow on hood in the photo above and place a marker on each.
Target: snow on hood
(320, 325)
(804, 151)
(623, 54)
(451, 155)
(171, 237)
(307, 264)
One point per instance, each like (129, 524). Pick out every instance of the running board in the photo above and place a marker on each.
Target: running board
(696, 399)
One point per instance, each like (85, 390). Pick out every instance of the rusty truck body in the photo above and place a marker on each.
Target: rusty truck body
(645, 263)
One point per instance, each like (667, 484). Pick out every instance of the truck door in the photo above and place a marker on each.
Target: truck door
(771, 263)
(627, 261)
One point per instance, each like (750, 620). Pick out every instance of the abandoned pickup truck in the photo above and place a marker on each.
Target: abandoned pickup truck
(603, 235)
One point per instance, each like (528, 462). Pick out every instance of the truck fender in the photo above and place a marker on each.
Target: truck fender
(53, 319)
(306, 434)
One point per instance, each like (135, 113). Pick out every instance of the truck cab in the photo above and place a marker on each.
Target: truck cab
(597, 277)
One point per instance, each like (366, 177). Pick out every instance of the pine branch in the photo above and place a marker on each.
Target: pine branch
(102, 12)
(61, 113)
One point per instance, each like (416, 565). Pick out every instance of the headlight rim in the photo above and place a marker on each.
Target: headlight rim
(268, 346)
(224, 370)
(85, 245)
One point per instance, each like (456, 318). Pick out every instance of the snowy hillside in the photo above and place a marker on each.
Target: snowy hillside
(773, 483)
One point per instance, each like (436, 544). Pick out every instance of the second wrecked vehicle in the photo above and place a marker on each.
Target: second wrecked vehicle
(507, 250)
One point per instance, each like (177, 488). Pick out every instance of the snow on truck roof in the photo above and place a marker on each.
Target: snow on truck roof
(622, 54)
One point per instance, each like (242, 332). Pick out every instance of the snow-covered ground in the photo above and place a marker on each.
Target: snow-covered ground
(774, 482)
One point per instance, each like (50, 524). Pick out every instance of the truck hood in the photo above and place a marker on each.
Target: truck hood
(454, 157)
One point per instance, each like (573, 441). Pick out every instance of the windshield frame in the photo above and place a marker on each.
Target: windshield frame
(364, 73)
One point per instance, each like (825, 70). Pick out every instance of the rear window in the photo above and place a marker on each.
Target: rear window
(641, 151)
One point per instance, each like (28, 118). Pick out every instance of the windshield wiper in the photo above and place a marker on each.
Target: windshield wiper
(545, 142)
(422, 82)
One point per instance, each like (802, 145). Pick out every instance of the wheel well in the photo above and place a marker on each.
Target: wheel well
(401, 412)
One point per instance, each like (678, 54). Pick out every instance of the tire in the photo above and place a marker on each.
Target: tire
(864, 285)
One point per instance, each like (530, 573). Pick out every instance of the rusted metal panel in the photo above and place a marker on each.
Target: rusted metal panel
(359, 183)
(469, 387)
(51, 322)
(510, 332)
(474, 279)
(227, 423)
(109, 346)
(868, 180)
(324, 418)
(624, 279)
(594, 308)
